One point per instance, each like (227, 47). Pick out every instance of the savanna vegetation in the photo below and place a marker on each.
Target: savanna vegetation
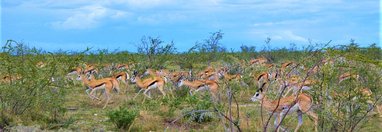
(43, 90)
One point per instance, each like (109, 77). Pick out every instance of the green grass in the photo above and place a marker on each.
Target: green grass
(90, 116)
(158, 114)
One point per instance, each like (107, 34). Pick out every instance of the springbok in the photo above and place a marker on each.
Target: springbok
(92, 86)
(148, 84)
(300, 104)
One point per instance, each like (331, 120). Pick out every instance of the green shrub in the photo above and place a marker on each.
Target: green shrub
(200, 110)
(35, 93)
(123, 117)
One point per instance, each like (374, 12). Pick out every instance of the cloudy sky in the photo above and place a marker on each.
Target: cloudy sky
(112, 24)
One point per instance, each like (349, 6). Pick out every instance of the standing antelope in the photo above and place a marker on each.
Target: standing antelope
(300, 104)
(148, 84)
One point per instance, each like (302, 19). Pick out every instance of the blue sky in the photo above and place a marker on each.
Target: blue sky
(112, 24)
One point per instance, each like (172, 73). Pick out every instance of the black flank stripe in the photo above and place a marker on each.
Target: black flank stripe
(152, 83)
(99, 85)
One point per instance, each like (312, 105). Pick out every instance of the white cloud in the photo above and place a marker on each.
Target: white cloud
(161, 18)
(282, 35)
(88, 17)
(148, 3)
(292, 36)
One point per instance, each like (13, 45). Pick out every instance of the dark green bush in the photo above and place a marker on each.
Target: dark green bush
(35, 93)
(200, 110)
(123, 117)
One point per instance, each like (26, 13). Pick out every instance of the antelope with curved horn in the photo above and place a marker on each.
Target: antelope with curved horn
(265, 78)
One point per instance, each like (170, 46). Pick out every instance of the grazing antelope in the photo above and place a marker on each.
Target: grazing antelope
(300, 104)
(148, 84)
(95, 85)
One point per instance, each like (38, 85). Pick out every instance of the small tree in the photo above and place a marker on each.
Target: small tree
(211, 46)
(154, 49)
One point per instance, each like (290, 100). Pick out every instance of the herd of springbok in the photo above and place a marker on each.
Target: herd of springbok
(290, 80)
